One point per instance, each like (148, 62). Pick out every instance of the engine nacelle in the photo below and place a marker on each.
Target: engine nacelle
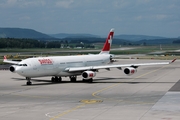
(130, 70)
(88, 74)
(12, 68)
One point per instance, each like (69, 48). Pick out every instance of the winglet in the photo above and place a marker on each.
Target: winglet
(173, 60)
(5, 58)
(107, 44)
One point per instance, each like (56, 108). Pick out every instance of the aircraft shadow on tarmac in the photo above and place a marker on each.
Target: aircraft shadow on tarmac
(98, 80)
(119, 80)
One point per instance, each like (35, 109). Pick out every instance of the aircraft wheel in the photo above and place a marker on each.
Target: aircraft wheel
(53, 79)
(29, 83)
(90, 80)
(56, 79)
(73, 78)
(84, 80)
(59, 79)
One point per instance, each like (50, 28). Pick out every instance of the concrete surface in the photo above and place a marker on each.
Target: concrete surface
(150, 94)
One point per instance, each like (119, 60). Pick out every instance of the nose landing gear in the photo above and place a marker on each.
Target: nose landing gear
(28, 81)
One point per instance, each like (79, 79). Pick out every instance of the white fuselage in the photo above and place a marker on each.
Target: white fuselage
(56, 66)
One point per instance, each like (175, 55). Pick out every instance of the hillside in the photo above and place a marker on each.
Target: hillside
(85, 38)
(22, 33)
(138, 37)
(66, 35)
(157, 41)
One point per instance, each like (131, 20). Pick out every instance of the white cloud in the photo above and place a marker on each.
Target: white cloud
(138, 18)
(64, 3)
(11, 2)
(22, 3)
(121, 4)
(161, 17)
(90, 14)
(143, 1)
(24, 18)
(8, 3)
(34, 3)
(118, 19)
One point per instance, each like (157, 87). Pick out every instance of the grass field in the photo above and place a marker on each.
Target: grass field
(152, 52)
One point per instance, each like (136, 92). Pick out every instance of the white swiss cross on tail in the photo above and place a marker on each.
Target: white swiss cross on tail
(107, 45)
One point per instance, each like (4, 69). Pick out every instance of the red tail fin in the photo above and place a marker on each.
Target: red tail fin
(107, 45)
(5, 58)
(173, 60)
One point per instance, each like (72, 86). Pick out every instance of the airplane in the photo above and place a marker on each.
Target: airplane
(71, 66)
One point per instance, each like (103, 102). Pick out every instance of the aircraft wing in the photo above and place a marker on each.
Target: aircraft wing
(75, 69)
(9, 61)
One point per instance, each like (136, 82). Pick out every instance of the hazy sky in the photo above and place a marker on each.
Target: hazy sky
(142, 17)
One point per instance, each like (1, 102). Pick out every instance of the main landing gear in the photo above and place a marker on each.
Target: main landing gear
(56, 79)
(59, 79)
(73, 78)
(28, 81)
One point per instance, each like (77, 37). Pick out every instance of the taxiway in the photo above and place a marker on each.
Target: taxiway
(153, 93)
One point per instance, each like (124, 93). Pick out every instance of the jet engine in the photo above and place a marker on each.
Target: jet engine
(88, 74)
(12, 68)
(112, 58)
(130, 70)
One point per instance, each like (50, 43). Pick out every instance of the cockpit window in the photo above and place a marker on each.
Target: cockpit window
(22, 64)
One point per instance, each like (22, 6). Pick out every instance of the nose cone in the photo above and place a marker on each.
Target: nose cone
(19, 70)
